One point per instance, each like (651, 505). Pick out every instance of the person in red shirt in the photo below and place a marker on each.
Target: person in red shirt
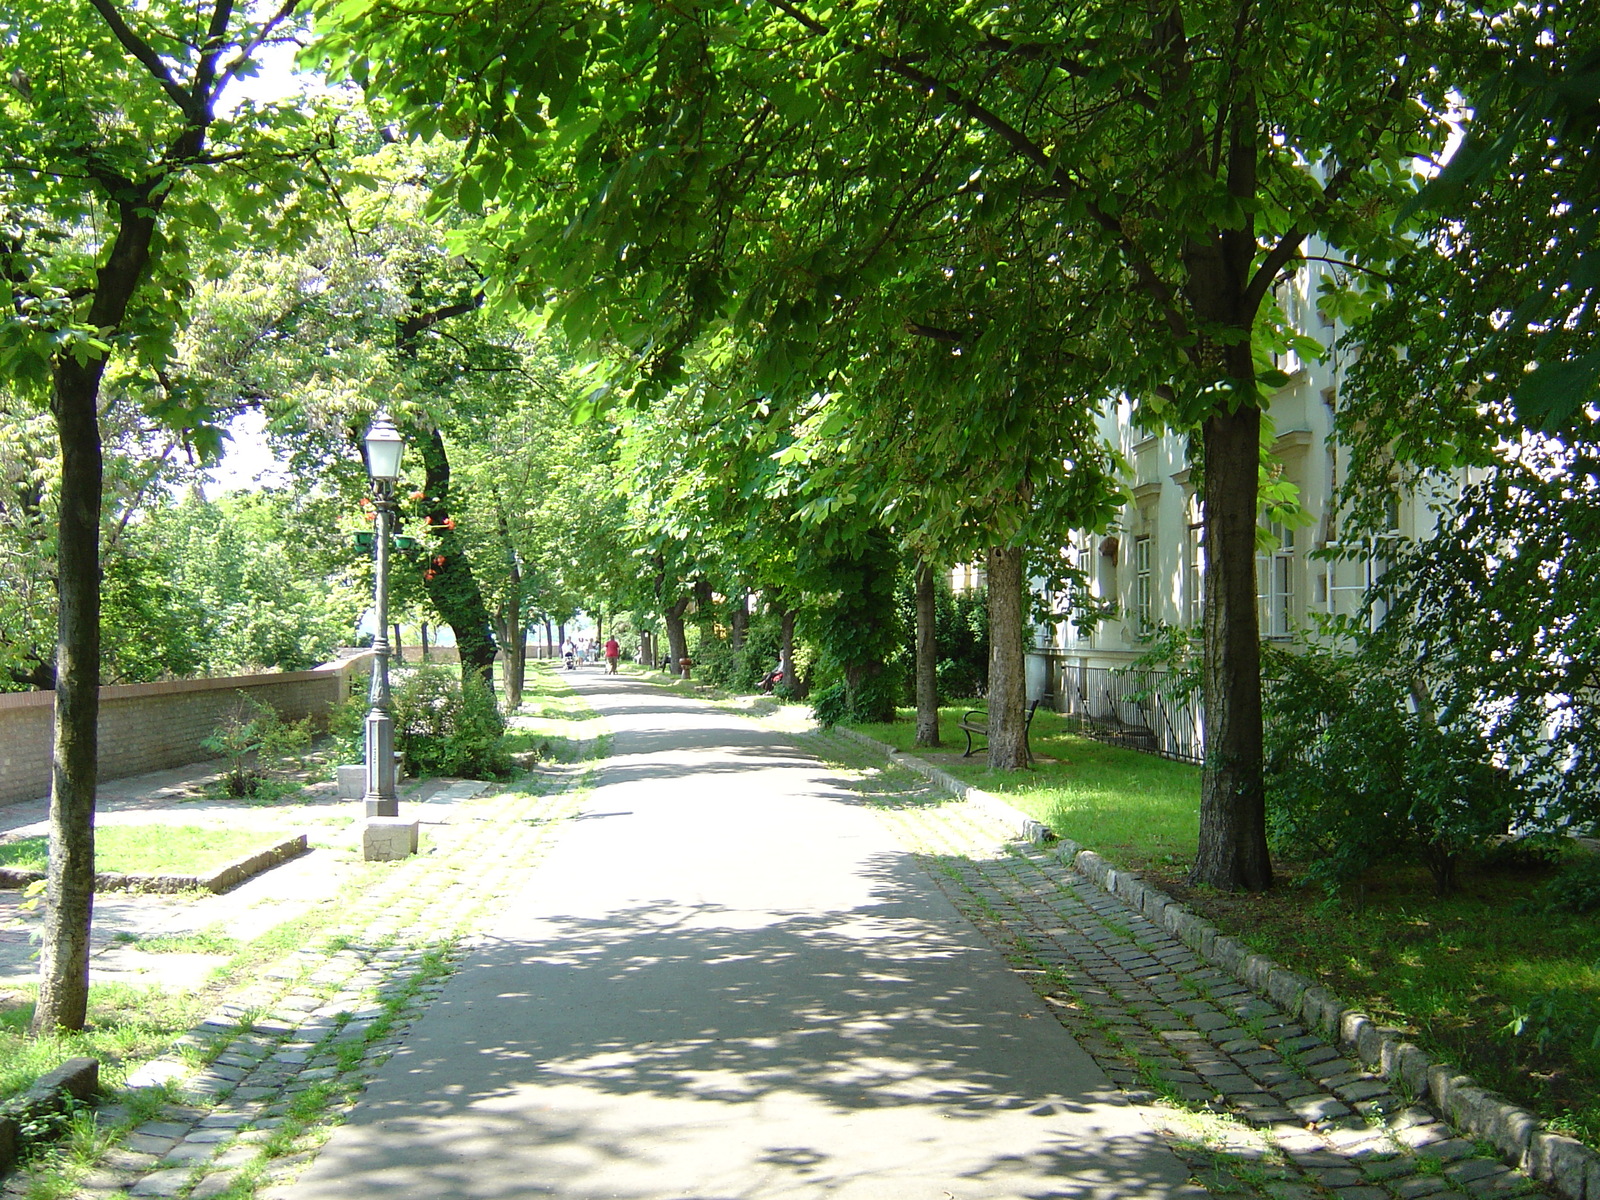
(613, 652)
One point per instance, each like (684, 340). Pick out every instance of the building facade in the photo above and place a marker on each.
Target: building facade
(1149, 566)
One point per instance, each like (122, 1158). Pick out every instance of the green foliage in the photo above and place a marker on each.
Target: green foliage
(445, 725)
(1554, 1018)
(854, 622)
(1575, 889)
(961, 638)
(831, 705)
(1359, 770)
(719, 664)
(256, 744)
(255, 580)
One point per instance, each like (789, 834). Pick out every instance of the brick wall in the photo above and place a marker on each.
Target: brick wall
(151, 726)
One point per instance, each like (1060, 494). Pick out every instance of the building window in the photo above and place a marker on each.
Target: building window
(1141, 583)
(1195, 559)
(1275, 585)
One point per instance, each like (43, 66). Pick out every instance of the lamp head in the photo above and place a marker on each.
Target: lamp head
(384, 448)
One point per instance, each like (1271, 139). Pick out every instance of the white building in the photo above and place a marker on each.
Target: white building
(1150, 564)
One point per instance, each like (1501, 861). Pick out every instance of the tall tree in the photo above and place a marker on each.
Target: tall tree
(776, 165)
(117, 161)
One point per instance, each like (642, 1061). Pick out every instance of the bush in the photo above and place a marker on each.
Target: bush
(960, 634)
(1576, 889)
(831, 705)
(1358, 771)
(256, 743)
(445, 727)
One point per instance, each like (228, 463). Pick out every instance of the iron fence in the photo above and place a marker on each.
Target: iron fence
(1127, 707)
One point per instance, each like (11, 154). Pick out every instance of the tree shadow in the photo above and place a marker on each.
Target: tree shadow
(664, 1047)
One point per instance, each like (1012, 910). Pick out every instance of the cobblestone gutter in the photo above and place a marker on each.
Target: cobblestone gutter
(1173, 1007)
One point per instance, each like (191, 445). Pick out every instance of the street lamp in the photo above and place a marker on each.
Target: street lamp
(384, 446)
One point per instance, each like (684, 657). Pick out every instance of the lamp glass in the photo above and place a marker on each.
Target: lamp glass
(384, 447)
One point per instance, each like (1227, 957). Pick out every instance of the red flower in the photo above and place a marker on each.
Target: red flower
(428, 575)
(438, 560)
(449, 522)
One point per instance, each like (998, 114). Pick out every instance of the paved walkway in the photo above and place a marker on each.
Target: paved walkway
(730, 979)
(742, 973)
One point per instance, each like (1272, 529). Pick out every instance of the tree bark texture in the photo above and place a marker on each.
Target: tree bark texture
(513, 632)
(1008, 699)
(738, 620)
(69, 896)
(791, 678)
(514, 655)
(1232, 853)
(448, 576)
(927, 659)
(63, 1001)
(677, 638)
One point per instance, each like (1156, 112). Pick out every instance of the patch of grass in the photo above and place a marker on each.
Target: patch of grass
(148, 849)
(126, 1026)
(553, 718)
(1468, 976)
(203, 942)
(1458, 973)
(1131, 806)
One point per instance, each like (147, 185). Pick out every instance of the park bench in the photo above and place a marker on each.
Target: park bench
(976, 722)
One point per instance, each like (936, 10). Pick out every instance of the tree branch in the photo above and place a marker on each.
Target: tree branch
(141, 50)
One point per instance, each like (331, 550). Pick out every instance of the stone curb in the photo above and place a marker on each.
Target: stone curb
(224, 877)
(78, 1078)
(1567, 1165)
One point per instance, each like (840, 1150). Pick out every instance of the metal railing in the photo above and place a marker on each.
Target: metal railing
(1128, 707)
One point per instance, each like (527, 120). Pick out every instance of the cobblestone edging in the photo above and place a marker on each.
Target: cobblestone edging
(1565, 1164)
(290, 1053)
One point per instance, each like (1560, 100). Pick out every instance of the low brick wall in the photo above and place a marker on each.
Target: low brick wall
(151, 726)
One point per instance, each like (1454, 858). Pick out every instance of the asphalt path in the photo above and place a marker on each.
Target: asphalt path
(729, 980)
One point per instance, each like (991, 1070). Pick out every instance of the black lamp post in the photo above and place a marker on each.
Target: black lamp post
(384, 447)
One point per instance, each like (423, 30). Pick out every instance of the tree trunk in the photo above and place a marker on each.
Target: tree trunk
(423, 638)
(69, 896)
(514, 653)
(549, 640)
(927, 660)
(677, 638)
(1008, 693)
(514, 635)
(63, 1001)
(448, 576)
(705, 611)
(1232, 854)
(399, 647)
(738, 620)
(791, 678)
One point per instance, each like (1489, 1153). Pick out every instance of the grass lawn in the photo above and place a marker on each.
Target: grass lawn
(1135, 808)
(1456, 973)
(149, 849)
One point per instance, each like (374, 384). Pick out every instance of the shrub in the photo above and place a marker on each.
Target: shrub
(1576, 889)
(831, 705)
(1358, 770)
(256, 743)
(443, 726)
(960, 633)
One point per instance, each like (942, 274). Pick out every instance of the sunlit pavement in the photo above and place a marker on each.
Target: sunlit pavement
(730, 978)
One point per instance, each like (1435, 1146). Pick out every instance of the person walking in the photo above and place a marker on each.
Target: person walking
(613, 653)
